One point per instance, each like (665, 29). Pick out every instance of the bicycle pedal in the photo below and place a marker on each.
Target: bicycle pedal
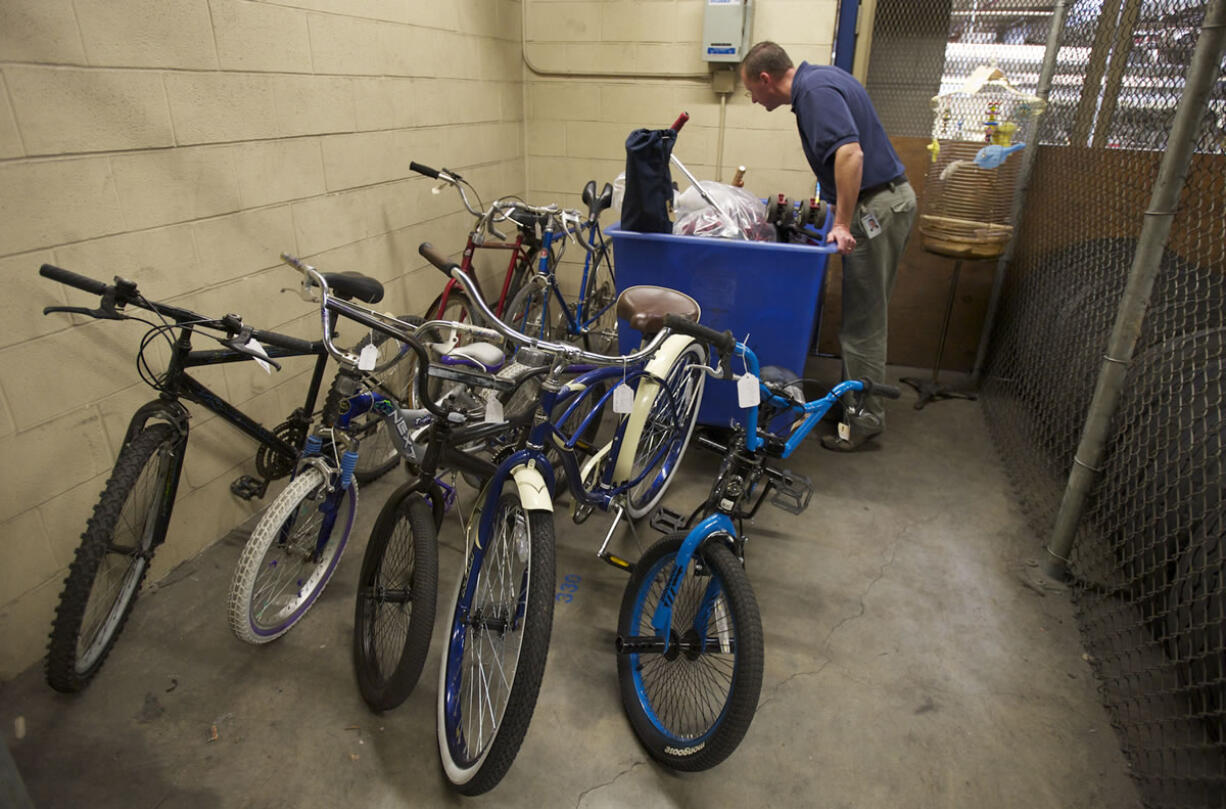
(667, 521)
(793, 491)
(248, 488)
(617, 562)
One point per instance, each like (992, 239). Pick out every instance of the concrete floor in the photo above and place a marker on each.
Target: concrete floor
(907, 665)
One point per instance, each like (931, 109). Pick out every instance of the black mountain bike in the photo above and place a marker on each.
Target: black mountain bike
(132, 516)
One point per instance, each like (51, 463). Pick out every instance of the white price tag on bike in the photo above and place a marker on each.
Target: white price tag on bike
(493, 409)
(254, 346)
(747, 392)
(368, 357)
(623, 398)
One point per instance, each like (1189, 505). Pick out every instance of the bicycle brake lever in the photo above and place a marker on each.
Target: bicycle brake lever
(100, 313)
(239, 343)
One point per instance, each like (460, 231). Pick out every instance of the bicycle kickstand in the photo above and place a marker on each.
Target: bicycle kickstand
(605, 555)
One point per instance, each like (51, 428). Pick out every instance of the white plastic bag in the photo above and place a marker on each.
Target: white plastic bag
(741, 215)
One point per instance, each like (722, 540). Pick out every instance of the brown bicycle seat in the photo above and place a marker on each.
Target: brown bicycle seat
(644, 307)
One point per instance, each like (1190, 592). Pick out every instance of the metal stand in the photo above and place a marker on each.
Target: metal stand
(931, 391)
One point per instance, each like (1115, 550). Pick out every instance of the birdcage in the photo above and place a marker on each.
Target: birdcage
(976, 131)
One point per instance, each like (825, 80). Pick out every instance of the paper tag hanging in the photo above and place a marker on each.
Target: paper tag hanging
(254, 345)
(844, 431)
(747, 392)
(493, 409)
(623, 398)
(368, 358)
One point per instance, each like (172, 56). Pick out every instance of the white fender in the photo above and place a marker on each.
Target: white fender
(533, 491)
(643, 400)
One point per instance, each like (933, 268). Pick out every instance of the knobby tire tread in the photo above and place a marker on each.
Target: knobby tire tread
(61, 660)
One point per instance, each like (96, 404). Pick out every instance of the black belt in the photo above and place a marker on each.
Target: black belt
(889, 185)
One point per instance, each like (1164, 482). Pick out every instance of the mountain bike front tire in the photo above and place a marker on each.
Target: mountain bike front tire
(394, 612)
(105, 576)
(282, 570)
(692, 705)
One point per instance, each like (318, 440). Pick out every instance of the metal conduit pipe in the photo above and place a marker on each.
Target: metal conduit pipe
(1172, 174)
(1019, 192)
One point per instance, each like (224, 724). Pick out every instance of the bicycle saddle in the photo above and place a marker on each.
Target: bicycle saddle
(526, 219)
(486, 356)
(594, 203)
(353, 284)
(349, 285)
(644, 307)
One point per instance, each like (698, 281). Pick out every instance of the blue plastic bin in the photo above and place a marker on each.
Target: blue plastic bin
(767, 290)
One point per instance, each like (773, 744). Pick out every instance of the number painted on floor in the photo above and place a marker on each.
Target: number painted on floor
(568, 588)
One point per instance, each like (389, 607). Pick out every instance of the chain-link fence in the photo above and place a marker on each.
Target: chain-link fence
(1148, 562)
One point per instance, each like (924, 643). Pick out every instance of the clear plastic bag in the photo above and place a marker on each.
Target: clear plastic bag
(741, 215)
(619, 192)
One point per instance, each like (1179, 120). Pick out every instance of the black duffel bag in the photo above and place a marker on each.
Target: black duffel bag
(647, 206)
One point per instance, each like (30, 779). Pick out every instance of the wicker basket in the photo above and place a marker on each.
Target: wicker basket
(966, 215)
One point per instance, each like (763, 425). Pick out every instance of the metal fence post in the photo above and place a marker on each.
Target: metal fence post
(1019, 195)
(1154, 233)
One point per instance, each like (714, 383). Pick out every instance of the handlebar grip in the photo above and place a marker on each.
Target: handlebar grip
(680, 122)
(724, 342)
(880, 389)
(72, 279)
(272, 338)
(423, 169)
(430, 254)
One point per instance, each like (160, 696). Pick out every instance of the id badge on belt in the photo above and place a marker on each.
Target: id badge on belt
(872, 228)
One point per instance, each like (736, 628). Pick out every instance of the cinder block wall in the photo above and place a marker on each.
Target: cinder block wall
(185, 144)
(580, 110)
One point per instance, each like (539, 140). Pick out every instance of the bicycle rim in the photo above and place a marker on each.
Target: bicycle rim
(289, 578)
(667, 430)
(120, 572)
(497, 644)
(684, 695)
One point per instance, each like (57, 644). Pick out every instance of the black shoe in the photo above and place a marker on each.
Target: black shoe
(851, 436)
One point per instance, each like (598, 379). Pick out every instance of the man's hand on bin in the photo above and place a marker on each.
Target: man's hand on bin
(841, 235)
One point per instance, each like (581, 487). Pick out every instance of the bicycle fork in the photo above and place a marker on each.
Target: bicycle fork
(662, 619)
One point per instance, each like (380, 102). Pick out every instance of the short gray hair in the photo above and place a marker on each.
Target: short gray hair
(766, 57)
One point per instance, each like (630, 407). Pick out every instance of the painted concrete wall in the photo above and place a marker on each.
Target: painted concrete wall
(588, 91)
(184, 144)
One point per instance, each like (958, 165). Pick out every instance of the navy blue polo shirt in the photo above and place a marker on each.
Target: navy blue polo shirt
(832, 109)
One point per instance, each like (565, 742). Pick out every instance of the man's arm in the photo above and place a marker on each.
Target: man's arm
(848, 171)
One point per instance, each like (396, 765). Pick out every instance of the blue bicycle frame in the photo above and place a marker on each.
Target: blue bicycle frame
(720, 524)
(577, 321)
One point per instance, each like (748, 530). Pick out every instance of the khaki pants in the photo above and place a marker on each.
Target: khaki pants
(868, 280)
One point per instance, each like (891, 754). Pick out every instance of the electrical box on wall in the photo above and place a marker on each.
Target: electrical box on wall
(727, 26)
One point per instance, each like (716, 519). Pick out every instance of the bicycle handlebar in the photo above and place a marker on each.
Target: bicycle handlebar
(422, 168)
(72, 279)
(125, 292)
(680, 122)
(723, 342)
(872, 388)
(451, 269)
